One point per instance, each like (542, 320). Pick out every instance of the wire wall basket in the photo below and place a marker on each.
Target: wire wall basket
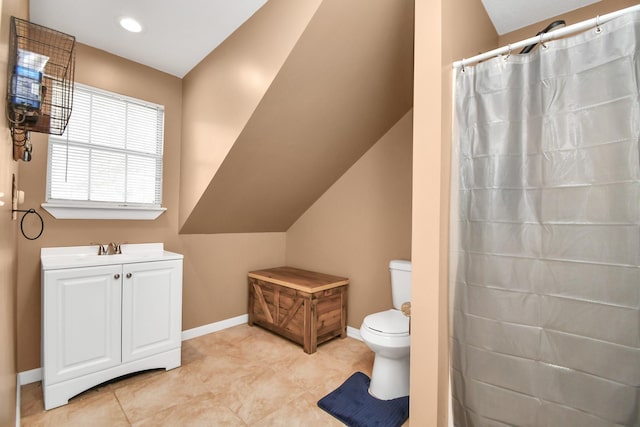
(40, 81)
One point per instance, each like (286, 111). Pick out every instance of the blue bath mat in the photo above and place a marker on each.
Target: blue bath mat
(352, 404)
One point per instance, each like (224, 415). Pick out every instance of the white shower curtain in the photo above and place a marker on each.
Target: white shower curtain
(545, 281)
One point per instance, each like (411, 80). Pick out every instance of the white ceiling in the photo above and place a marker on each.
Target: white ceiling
(178, 35)
(175, 36)
(510, 15)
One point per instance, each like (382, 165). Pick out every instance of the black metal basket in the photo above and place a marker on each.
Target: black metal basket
(40, 78)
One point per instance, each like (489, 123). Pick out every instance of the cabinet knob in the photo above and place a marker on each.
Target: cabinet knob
(128, 275)
(116, 276)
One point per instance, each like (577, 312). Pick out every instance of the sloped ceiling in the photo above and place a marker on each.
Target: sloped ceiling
(345, 83)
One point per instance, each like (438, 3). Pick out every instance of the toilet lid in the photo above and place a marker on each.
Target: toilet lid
(391, 322)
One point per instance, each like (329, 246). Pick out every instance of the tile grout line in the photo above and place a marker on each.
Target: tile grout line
(121, 407)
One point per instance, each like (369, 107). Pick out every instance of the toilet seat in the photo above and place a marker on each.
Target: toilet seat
(390, 323)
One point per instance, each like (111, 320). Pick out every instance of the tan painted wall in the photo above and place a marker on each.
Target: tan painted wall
(314, 121)
(222, 91)
(214, 265)
(361, 223)
(445, 30)
(8, 235)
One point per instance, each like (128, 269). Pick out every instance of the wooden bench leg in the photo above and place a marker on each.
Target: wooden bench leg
(310, 327)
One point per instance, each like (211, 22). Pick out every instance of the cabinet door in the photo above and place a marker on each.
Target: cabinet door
(80, 321)
(151, 308)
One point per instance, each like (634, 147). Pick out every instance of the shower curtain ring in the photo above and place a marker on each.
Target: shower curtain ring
(598, 29)
(508, 53)
(462, 66)
(541, 42)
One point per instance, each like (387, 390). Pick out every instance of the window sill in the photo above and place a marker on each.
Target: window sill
(63, 211)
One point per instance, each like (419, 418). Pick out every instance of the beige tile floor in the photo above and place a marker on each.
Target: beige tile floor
(241, 376)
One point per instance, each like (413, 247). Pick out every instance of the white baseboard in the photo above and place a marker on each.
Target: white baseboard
(354, 333)
(18, 396)
(214, 327)
(28, 377)
(35, 375)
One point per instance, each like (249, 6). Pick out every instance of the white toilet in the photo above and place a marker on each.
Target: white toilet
(387, 334)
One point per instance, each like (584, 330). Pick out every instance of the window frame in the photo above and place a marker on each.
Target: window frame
(85, 209)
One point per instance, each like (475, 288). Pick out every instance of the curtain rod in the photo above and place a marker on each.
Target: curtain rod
(555, 34)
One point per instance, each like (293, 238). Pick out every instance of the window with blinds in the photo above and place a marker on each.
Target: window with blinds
(109, 154)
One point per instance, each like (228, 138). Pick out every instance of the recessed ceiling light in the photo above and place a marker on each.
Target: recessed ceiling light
(130, 24)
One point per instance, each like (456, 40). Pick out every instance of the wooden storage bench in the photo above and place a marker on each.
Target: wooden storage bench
(306, 307)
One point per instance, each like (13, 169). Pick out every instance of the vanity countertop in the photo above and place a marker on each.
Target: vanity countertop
(87, 256)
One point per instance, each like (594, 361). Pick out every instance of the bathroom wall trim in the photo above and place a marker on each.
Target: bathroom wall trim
(28, 377)
(214, 327)
(354, 333)
(18, 403)
(35, 375)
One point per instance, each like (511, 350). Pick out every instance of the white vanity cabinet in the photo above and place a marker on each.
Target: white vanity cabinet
(103, 321)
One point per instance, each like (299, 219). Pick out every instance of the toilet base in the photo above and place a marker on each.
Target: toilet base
(390, 378)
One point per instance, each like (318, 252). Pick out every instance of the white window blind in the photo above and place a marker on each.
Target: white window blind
(110, 152)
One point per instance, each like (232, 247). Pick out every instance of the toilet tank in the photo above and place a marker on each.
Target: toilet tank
(400, 282)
